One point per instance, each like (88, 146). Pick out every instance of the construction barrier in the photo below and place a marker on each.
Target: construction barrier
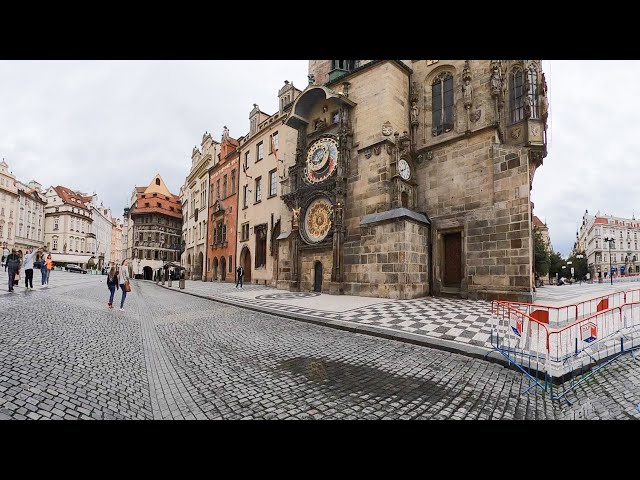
(601, 328)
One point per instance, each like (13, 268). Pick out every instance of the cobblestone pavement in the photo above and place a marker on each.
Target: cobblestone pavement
(63, 354)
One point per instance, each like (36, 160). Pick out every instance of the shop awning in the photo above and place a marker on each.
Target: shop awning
(67, 258)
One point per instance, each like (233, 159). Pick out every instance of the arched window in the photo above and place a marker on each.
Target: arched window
(442, 104)
(516, 94)
(157, 181)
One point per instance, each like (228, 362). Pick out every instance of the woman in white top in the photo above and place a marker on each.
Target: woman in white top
(123, 277)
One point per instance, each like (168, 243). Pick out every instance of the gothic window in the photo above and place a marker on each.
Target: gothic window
(224, 187)
(442, 104)
(157, 181)
(516, 94)
(532, 85)
(233, 182)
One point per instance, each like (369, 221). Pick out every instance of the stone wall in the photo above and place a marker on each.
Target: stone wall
(390, 261)
(307, 265)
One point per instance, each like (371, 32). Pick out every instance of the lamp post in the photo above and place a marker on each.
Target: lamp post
(609, 240)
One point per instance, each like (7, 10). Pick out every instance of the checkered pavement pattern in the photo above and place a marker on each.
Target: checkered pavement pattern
(460, 320)
(466, 321)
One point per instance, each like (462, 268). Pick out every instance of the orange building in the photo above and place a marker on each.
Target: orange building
(223, 211)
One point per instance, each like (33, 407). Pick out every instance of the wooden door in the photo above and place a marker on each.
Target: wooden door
(452, 259)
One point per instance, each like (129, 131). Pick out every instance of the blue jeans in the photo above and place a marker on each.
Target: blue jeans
(112, 289)
(43, 272)
(124, 295)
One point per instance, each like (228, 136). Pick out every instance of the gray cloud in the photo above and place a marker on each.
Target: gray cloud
(107, 126)
(110, 125)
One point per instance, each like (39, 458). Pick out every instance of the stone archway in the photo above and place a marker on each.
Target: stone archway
(197, 271)
(223, 268)
(245, 261)
(215, 268)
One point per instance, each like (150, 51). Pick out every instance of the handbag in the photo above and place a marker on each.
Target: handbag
(16, 279)
(127, 286)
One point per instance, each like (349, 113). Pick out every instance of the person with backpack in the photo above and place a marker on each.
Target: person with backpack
(112, 284)
(13, 264)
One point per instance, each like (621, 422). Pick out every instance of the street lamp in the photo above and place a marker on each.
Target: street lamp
(609, 240)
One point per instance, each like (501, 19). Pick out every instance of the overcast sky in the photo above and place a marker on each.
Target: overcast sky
(107, 126)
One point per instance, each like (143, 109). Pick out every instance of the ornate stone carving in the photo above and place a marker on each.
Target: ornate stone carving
(496, 78)
(535, 130)
(467, 89)
(320, 124)
(367, 153)
(387, 129)
(414, 111)
(389, 149)
(312, 79)
(515, 133)
(377, 149)
(475, 116)
(295, 219)
(225, 133)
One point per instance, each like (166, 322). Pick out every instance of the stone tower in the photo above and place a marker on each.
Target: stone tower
(413, 177)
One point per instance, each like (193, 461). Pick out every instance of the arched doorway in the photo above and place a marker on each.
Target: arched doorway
(198, 270)
(245, 261)
(223, 268)
(275, 233)
(215, 268)
(317, 277)
(148, 273)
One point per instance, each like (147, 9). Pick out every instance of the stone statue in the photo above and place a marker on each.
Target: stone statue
(496, 80)
(64, 248)
(225, 133)
(295, 220)
(414, 111)
(467, 93)
(312, 79)
(320, 123)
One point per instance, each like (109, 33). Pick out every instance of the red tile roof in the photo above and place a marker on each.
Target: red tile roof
(70, 197)
(601, 220)
(537, 222)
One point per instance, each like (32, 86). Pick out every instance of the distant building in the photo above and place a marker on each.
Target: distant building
(67, 227)
(8, 206)
(194, 201)
(153, 225)
(620, 256)
(223, 211)
(544, 231)
(30, 216)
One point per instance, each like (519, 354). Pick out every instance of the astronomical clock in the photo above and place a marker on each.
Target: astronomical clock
(320, 164)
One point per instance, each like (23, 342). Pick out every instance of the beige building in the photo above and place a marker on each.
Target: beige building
(266, 153)
(194, 196)
(413, 178)
(8, 207)
(30, 216)
(154, 226)
(116, 241)
(620, 255)
(67, 227)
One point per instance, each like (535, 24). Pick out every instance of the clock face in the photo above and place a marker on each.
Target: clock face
(404, 169)
(322, 159)
(317, 220)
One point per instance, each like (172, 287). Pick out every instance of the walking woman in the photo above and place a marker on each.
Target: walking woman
(123, 280)
(43, 269)
(112, 284)
(49, 263)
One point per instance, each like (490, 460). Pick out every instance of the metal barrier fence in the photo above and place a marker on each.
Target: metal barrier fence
(609, 327)
(521, 339)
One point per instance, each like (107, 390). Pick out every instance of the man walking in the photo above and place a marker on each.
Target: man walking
(240, 276)
(13, 265)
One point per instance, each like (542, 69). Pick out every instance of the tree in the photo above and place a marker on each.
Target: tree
(555, 264)
(541, 253)
(579, 265)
